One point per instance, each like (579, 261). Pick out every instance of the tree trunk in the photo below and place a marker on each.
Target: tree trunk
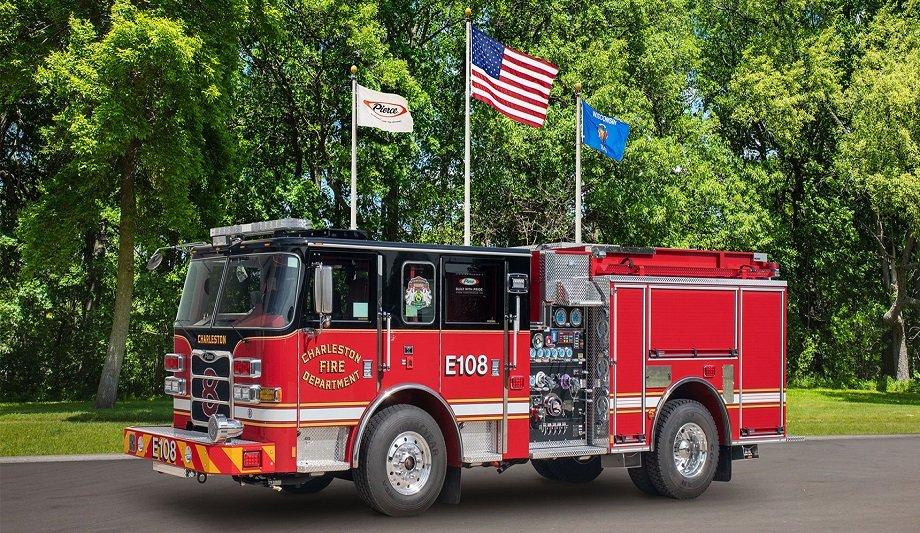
(124, 287)
(899, 350)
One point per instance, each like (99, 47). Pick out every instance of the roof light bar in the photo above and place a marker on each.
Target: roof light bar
(223, 236)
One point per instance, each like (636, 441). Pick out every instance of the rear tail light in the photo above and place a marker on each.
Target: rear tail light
(174, 386)
(247, 368)
(252, 459)
(174, 362)
(256, 394)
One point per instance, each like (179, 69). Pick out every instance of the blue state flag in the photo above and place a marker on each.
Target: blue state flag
(605, 134)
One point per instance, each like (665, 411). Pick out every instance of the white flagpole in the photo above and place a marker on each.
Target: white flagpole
(354, 148)
(578, 128)
(466, 140)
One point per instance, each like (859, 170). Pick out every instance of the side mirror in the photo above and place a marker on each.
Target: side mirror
(322, 290)
(155, 261)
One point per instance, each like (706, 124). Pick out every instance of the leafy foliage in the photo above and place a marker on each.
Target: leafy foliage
(786, 127)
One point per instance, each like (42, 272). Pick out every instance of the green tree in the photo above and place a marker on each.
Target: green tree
(774, 74)
(135, 108)
(880, 159)
(296, 112)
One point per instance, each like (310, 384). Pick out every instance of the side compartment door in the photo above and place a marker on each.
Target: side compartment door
(473, 343)
(762, 364)
(627, 359)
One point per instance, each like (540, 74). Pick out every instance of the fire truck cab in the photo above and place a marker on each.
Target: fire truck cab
(302, 354)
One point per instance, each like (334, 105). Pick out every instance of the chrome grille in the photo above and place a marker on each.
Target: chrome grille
(211, 385)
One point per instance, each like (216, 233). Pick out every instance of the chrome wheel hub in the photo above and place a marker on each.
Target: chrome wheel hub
(408, 463)
(691, 450)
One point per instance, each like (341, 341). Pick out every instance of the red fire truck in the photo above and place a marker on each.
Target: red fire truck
(301, 355)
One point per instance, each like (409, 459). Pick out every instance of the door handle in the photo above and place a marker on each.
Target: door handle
(517, 330)
(387, 350)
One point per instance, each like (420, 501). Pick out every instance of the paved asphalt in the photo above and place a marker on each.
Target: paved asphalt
(842, 485)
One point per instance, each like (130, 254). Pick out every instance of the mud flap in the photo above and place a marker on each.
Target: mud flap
(450, 492)
(724, 470)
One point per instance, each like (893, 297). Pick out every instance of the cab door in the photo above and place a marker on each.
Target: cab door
(411, 343)
(338, 364)
(474, 338)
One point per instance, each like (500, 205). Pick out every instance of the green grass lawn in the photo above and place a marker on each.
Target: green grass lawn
(75, 427)
(852, 412)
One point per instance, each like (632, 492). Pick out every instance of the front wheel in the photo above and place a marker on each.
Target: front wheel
(403, 461)
(686, 453)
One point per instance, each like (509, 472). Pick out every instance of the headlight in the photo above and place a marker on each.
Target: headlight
(256, 394)
(174, 386)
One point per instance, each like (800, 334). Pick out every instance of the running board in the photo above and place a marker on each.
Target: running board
(480, 458)
(322, 466)
(566, 451)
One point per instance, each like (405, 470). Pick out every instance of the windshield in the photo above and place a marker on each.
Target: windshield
(258, 291)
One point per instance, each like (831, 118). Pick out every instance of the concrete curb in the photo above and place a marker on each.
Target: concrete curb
(120, 456)
(64, 458)
(858, 437)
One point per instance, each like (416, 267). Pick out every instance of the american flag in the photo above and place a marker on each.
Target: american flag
(516, 84)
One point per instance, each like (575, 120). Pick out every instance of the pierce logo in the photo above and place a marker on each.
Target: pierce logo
(469, 282)
(386, 109)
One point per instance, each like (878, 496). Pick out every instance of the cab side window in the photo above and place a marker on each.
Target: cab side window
(473, 292)
(418, 293)
(353, 297)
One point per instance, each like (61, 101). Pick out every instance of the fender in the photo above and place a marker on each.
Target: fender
(667, 395)
(382, 397)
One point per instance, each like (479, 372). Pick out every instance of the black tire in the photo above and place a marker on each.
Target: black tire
(310, 486)
(661, 469)
(640, 478)
(544, 468)
(372, 475)
(571, 470)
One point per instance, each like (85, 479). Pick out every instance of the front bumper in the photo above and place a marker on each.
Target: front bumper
(193, 450)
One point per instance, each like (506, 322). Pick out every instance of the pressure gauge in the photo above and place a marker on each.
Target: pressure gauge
(560, 316)
(575, 318)
(537, 340)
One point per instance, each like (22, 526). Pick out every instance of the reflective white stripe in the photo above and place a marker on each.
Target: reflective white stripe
(477, 409)
(255, 413)
(474, 409)
(763, 397)
(336, 413)
(182, 404)
(518, 408)
(636, 402)
(264, 415)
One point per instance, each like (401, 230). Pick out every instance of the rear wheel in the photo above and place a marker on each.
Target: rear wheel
(402, 461)
(686, 453)
(310, 486)
(542, 466)
(574, 470)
